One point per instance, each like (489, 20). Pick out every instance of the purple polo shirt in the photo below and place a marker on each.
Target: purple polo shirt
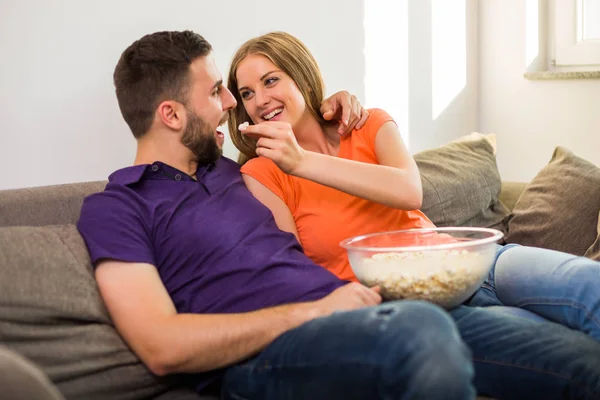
(216, 248)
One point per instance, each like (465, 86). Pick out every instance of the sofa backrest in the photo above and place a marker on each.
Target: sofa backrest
(45, 205)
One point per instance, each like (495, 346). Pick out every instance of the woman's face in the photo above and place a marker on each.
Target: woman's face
(267, 93)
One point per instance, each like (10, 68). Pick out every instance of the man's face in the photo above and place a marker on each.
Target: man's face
(201, 139)
(208, 104)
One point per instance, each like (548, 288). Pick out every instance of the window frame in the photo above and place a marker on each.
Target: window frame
(568, 49)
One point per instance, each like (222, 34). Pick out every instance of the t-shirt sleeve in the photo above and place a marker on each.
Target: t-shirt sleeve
(114, 227)
(266, 172)
(377, 117)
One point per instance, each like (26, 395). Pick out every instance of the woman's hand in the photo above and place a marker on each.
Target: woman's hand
(276, 141)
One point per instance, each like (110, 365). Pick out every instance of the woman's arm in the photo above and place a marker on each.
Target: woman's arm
(283, 216)
(394, 182)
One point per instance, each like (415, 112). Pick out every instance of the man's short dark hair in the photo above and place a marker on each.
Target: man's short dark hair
(153, 69)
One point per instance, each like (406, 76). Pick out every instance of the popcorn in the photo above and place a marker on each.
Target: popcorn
(442, 277)
(242, 127)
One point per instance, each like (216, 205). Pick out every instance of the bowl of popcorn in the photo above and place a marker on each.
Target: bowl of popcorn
(442, 265)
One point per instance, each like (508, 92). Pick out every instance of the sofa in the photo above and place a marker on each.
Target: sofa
(57, 340)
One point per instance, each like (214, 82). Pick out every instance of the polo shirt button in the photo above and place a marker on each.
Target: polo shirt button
(178, 177)
(155, 168)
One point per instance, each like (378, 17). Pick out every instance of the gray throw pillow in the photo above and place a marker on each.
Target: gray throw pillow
(461, 185)
(559, 208)
(51, 312)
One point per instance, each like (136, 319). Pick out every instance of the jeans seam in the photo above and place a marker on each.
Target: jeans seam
(579, 384)
(553, 302)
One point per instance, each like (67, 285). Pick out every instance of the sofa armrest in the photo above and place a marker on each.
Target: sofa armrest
(510, 193)
(21, 379)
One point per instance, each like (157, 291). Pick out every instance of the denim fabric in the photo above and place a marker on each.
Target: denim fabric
(531, 330)
(398, 350)
(557, 286)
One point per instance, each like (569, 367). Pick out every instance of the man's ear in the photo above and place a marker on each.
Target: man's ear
(171, 114)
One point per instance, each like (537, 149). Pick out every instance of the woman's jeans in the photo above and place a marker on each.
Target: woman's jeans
(544, 284)
(410, 350)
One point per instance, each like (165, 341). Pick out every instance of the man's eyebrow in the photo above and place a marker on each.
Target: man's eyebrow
(261, 78)
(216, 85)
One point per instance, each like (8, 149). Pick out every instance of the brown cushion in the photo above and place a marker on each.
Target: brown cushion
(559, 208)
(51, 312)
(594, 251)
(461, 184)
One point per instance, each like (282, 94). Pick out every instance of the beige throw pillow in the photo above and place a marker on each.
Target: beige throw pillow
(559, 208)
(461, 183)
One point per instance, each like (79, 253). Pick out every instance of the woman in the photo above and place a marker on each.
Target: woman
(324, 188)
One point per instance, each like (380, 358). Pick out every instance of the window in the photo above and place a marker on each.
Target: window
(575, 33)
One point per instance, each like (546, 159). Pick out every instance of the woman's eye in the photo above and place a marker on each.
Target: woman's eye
(270, 81)
(245, 95)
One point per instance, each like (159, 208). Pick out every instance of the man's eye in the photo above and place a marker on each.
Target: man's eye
(217, 91)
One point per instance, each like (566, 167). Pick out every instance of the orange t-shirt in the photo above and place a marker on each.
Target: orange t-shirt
(325, 216)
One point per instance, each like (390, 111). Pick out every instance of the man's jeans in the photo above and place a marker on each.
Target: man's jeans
(397, 350)
(517, 354)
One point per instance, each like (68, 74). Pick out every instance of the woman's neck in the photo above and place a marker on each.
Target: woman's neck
(312, 136)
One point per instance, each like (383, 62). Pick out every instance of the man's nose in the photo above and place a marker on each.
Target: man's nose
(229, 101)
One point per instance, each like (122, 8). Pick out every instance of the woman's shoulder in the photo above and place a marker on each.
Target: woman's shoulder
(377, 117)
(264, 170)
(259, 164)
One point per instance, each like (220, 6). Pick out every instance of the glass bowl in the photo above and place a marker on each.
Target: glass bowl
(442, 265)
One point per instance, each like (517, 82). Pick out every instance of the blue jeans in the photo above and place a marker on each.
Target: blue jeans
(397, 350)
(517, 352)
(540, 293)
(544, 284)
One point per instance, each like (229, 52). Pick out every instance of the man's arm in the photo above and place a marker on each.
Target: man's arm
(346, 108)
(168, 342)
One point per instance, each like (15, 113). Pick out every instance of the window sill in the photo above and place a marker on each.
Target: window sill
(561, 75)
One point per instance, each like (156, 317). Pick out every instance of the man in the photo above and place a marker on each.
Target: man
(198, 279)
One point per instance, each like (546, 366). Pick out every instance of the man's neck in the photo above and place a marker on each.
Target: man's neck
(150, 150)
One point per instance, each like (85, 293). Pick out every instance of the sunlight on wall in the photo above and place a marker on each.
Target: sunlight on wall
(386, 59)
(532, 24)
(448, 52)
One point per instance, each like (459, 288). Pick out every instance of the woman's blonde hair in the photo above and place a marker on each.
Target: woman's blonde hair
(291, 56)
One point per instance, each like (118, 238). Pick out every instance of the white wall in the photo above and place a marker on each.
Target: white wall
(59, 119)
(443, 56)
(530, 118)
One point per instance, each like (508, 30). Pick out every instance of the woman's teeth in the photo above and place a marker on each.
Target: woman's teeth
(272, 114)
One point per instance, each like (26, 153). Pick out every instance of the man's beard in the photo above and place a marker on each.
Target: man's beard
(200, 139)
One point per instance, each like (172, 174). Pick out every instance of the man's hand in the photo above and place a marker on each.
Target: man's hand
(347, 109)
(352, 296)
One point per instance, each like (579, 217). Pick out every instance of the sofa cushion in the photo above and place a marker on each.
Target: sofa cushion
(21, 379)
(461, 184)
(51, 312)
(594, 251)
(45, 205)
(559, 208)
